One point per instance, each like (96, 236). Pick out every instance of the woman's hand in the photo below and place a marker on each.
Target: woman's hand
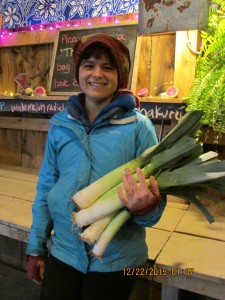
(139, 198)
(36, 268)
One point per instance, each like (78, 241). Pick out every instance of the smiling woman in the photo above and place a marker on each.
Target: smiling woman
(102, 118)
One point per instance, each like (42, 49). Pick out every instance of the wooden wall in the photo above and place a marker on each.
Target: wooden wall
(22, 141)
(159, 59)
(31, 53)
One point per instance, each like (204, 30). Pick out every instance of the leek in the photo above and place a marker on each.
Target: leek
(180, 168)
(93, 232)
(110, 201)
(110, 232)
(97, 210)
(185, 176)
(187, 126)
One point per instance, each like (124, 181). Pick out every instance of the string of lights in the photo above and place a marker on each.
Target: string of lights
(4, 33)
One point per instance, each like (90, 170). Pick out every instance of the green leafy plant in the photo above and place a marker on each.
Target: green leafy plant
(208, 90)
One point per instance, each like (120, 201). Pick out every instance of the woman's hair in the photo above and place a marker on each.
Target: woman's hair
(98, 50)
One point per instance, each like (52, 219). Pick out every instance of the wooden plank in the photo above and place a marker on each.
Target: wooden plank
(20, 173)
(16, 212)
(156, 240)
(163, 55)
(170, 218)
(193, 257)
(24, 97)
(194, 222)
(162, 100)
(136, 65)
(193, 284)
(48, 35)
(12, 231)
(33, 60)
(156, 64)
(11, 187)
(25, 123)
(10, 149)
(187, 45)
(144, 66)
(45, 36)
(10, 253)
(7, 71)
(33, 148)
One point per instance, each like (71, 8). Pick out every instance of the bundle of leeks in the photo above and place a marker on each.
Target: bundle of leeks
(180, 168)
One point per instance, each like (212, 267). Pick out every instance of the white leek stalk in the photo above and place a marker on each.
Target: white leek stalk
(93, 232)
(88, 195)
(110, 232)
(99, 209)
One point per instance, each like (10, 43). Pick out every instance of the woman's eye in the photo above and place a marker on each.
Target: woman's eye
(109, 68)
(87, 66)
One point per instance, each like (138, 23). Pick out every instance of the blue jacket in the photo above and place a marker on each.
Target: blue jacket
(78, 153)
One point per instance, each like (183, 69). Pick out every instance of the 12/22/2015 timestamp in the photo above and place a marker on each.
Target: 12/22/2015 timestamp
(155, 271)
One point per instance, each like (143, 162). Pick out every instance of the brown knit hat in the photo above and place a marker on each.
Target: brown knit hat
(117, 48)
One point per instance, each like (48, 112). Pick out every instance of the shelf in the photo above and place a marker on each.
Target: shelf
(162, 100)
(154, 109)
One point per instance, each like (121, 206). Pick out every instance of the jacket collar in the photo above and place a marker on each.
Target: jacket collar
(124, 103)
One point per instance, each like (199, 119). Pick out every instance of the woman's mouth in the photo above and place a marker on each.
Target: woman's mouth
(95, 84)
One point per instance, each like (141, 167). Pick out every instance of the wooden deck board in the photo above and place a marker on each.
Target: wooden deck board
(171, 217)
(16, 172)
(15, 211)
(156, 240)
(194, 222)
(206, 256)
(17, 193)
(17, 188)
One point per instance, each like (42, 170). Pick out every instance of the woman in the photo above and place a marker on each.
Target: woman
(100, 130)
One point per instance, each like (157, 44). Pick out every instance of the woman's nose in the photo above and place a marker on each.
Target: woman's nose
(97, 71)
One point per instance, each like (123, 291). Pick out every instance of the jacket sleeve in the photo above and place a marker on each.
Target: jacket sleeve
(146, 137)
(42, 224)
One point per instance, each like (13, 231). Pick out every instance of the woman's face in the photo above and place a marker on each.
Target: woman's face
(98, 79)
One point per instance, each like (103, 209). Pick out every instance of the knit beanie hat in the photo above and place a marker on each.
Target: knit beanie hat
(117, 48)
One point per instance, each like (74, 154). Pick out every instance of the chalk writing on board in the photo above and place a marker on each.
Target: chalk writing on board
(62, 77)
(159, 112)
(37, 107)
(2, 105)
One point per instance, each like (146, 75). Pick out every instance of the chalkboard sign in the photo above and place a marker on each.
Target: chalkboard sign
(62, 78)
(152, 110)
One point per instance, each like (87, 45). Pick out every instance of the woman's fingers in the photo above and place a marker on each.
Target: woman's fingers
(137, 196)
(154, 186)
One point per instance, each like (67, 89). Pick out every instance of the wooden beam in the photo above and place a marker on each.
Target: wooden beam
(14, 232)
(24, 123)
(36, 37)
(187, 47)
